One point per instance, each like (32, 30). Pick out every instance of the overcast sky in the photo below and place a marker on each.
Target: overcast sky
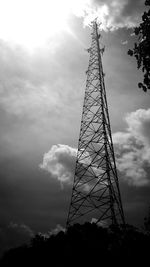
(43, 61)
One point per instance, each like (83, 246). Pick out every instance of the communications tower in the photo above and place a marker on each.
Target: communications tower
(95, 192)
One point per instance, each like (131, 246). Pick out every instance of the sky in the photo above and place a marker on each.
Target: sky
(43, 63)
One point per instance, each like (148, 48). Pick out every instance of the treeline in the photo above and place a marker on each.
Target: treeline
(83, 245)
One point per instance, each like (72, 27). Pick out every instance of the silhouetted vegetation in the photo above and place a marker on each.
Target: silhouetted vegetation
(147, 222)
(141, 50)
(83, 245)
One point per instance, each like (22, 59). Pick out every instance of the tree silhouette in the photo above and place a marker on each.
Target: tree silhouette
(141, 50)
(147, 222)
(83, 245)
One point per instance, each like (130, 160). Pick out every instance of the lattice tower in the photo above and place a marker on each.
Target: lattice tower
(95, 192)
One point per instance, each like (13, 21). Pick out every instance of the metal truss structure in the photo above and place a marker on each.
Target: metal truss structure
(95, 192)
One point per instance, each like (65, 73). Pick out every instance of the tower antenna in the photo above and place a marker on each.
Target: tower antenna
(95, 192)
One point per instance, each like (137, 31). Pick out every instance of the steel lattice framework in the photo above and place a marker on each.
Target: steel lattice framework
(95, 190)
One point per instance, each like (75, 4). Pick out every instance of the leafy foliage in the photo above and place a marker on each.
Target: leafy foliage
(141, 50)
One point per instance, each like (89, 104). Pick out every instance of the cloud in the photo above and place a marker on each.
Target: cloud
(59, 161)
(132, 148)
(102, 223)
(27, 84)
(33, 84)
(14, 235)
(21, 228)
(26, 99)
(36, 91)
(124, 42)
(57, 229)
(113, 14)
